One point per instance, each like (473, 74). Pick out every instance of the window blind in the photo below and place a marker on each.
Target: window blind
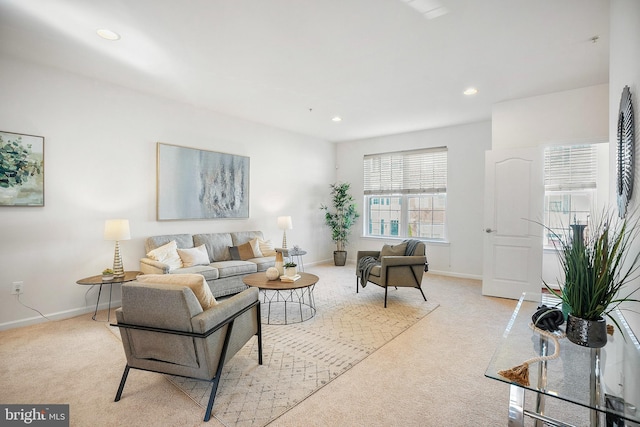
(571, 167)
(406, 172)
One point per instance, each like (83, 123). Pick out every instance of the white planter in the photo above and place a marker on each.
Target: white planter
(290, 271)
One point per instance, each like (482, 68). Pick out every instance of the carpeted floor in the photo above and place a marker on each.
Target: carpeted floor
(300, 358)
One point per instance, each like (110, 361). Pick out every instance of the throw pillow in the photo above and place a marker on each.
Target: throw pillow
(195, 282)
(194, 256)
(167, 254)
(255, 248)
(395, 250)
(241, 252)
(266, 247)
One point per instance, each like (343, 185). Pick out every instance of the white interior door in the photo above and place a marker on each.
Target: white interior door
(514, 197)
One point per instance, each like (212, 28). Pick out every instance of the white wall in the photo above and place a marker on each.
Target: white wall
(570, 117)
(100, 163)
(625, 71)
(462, 255)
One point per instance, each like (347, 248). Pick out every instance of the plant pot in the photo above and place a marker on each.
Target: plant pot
(108, 277)
(587, 333)
(290, 271)
(340, 258)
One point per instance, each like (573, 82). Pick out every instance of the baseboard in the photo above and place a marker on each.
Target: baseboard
(456, 275)
(60, 315)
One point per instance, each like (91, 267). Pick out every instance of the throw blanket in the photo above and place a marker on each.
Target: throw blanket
(365, 265)
(368, 262)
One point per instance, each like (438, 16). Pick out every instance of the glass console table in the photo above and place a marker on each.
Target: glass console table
(606, 381)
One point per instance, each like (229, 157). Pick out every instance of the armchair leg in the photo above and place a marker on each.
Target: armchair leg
(122, 381)
(259, 335)
(357, 280)
(386, 289)
(423, 296)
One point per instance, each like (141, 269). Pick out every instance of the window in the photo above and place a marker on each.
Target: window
(570, 176)
(406, 194)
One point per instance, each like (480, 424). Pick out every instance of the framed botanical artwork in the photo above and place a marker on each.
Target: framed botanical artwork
(201, 184)
(21, 169)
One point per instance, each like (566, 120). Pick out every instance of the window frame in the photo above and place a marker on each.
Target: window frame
(408, 174)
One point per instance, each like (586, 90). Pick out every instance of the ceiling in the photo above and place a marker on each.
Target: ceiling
(381, 65)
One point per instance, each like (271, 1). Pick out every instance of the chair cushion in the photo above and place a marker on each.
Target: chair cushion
(395, 250)
(196, 282)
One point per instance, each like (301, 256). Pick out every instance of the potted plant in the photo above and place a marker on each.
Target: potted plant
(107, 274)
(290, 269)
(341, 219)
(596, 267)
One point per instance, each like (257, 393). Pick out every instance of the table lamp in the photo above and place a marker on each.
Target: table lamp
(284, 223)
(117, 229)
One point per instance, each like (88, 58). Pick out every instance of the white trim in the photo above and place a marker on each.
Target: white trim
(60, 315)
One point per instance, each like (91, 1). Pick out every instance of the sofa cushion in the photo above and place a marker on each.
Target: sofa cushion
(207, 271)
(182, 241)
(217, 245)
(194, 256)
(264, 263)
(195, 282)
(167, 254)
(240, 237)
(234, 268)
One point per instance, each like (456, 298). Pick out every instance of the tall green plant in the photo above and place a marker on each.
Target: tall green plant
(343, 216)
(597, 269)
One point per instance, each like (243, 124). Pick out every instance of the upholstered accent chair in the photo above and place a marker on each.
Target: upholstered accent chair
(165, 329)
(401, 265)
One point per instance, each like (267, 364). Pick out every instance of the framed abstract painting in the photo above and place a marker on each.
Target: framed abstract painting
(201, 184)
(21, 169)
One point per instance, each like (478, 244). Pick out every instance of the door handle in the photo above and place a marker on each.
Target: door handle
(488, 230)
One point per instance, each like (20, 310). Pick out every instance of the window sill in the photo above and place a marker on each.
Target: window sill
(400, 239)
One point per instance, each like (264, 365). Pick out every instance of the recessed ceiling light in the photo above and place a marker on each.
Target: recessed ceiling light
(471, 91)
(337, 119)
(108, 34)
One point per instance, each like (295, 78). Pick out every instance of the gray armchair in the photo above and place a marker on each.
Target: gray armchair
(401, 265)
(165, 329)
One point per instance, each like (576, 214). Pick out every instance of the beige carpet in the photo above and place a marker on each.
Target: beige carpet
(300, 358)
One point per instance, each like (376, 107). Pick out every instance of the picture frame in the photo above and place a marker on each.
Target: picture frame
(21, 170)
(201, 184)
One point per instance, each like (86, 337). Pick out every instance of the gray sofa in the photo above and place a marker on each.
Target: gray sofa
(223, 274)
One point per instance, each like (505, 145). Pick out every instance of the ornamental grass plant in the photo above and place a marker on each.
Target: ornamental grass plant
(601, 271)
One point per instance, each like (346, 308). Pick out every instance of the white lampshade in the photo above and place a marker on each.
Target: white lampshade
(117, 229)
(284, 223)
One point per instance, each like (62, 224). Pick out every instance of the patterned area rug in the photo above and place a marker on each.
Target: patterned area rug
(300, 358)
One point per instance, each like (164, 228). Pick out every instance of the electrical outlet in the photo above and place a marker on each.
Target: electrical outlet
(16, 288)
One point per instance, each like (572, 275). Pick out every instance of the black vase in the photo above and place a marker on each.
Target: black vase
(587, 333)
(340, 258)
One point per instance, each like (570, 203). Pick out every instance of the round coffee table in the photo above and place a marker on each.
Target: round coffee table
(295, 296)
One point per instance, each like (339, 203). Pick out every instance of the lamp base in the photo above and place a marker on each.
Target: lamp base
(118, 270)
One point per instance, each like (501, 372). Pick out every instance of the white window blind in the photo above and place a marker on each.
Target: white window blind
(406, 172)
(572, 167)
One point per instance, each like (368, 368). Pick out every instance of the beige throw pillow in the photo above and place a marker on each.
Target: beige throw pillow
(266, 247)
(255, 247)
(167, 254)
(194, 256)
(395, 250)
(196, 282)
